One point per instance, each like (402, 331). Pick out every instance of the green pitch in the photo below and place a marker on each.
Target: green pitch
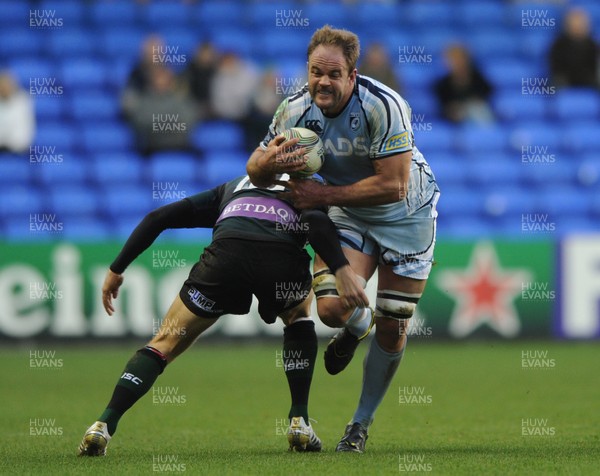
(485, 408)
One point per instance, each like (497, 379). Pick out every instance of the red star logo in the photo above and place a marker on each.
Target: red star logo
(484, 294)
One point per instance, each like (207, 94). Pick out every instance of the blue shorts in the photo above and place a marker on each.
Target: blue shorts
(406, 244)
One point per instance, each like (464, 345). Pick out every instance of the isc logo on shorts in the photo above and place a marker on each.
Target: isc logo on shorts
(201, 300)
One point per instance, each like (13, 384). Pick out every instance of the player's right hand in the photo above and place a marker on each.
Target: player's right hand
(110, 290)
(283, 156)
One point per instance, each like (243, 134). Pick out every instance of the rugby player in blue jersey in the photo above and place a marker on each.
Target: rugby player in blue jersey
(257, 245)
(381, 196)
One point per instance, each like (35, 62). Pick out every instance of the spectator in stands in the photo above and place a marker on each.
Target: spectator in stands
(463, 92)
(574, 53)
(232, 88)
(264, 103)
(139, 78)
(17, 117)
(199, 75)
(376, 64)
(163, 115)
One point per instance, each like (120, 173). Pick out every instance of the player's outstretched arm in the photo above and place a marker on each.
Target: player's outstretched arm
(279, 157)
(181, 214)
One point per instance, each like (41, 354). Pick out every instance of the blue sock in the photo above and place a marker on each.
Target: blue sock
(379, 369)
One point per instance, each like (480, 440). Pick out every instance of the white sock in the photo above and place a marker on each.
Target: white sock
(359, 321)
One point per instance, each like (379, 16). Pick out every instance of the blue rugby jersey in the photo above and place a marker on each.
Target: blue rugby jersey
(375, 124)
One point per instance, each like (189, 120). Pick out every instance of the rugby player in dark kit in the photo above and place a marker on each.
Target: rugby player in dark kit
(257, 245)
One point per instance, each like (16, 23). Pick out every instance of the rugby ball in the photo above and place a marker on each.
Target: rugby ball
(314, 150)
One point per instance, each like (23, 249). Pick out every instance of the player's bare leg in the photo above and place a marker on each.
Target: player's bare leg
(179, 329)
(397, 298)
(299, 356)
(336, 309)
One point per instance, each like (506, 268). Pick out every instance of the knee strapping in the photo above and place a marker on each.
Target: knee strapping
(323, 284)
(396, 304)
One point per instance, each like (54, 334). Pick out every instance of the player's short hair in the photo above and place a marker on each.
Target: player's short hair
(344, 39)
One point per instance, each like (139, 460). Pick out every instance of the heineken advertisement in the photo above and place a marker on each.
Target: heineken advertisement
(480, 289)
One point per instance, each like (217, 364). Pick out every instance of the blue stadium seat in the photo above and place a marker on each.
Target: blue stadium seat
(114, 14)
(19, 42)
(236, 41)
(491, 169)
(123, 224)
(441, 139)
(118, 168)
(222, 167)
(73, 199)
(107, 137)
(424, 106)
(511, 106)
(20, 200)
(549, 174)
(217, 136)
(14, 13)
(263, 13)
(182, 43)
(576, 103)
(537, 134)
(393, 40)
(188, 235)
(73, 170)
(335, 14)
(491, 43)
(448, 169)
(128, 200)
(384, 15)
(569, 225)
(582, 136)
(484, 14)
(72, 12)
(26, 68)
(461, 201)
(595, 206)
(562, 200)
(215, 14)
(435, 41)
(165, 192)
(506, 200)
(508, 74)
(18, 229)
(170, 166)
(86, 229)
(536, 43)
(482, 140)
(535, 17)
(85, 74)
(425, 13)
(176, 14)
(588, 168)
(462, 227)
(48, 109)
(72, 42)
(16, 169)
(95, 105)
(123, 42)
(418, 76)
(58, 135)
(277, 43)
